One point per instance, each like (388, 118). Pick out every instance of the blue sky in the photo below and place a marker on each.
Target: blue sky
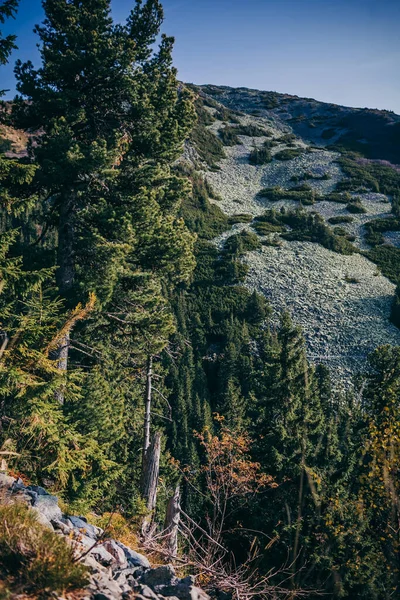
(343, 51)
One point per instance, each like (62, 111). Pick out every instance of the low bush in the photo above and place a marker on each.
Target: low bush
(229, 136)
(387, 258)
(340, 219)
(375, 229)
(341, 198)
(356, 207)
(240, 218)
(309, 227)
(208, 146)
(34, 557)
(260, 156)
(308, 175)
(239, 244)
(289, 153)
(252, 131)
(305, 196)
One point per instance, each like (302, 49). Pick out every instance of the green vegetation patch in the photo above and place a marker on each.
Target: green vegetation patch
(240, 218)
(260, 156)
(200, 215)
(306, 196)
(387, 258)
(33, 556)
(356, 207)
(340, 219)
(309, 227)
(289, 153)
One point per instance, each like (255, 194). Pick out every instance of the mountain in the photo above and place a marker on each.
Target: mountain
(340, 295)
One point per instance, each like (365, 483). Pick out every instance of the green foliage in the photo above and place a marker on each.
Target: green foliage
(34, 557)
(201, 216)
(289, 153)
(303, 194)
(240, 218)
(340, 219)
(304, 226)
(229, 136)
(260, 156)
(356, 207)
(240, 243)
(387, 258)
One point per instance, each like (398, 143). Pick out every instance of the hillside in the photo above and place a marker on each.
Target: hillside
(341, 300)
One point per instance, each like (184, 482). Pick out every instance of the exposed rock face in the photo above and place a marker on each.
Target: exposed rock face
(116, 571)
(342, 302)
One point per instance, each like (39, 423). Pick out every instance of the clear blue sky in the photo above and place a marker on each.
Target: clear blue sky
(342, 51)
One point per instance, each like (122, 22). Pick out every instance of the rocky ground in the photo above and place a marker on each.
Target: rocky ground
(116, 571)
(342, 302)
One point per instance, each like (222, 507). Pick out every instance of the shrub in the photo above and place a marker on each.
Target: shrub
(252, 131)
(340, 219)
(288, 138)
(35, 557)
(387, 258)
(305, 196)
(207, 144)
(341, 198)
(260, 156)
(239, 244)
(356, 207)
(289, 153)
(264, 228)
(240, 218)
(375, 229)
(308, 227)
(395, 312)
(229, 136)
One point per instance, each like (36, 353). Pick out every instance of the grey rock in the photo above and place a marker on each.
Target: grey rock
(102, 556)
(6, 481)
(42, 518)
(105, 585)
(117, 552)
(161, 576)
(37, 490)
(185, 592)
(147, 592)
(48, 506)
(88, 529)
(61, 526)
(134, 558)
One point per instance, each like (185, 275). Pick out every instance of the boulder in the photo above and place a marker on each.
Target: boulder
(160, 577)
(6, 481)
(119, 555)
(134, 558)
(48, 506)
(85, 527)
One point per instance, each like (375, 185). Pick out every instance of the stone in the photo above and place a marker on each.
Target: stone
(48, 506)
(134, 558)
(161, 576)
(37, 490)
(147, 592)
(117, 552)
(106, 586)
(86, 528)
(185, 592)
(6, 481)
(102, 556)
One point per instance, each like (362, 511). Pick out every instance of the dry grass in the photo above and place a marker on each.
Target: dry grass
(33, 559)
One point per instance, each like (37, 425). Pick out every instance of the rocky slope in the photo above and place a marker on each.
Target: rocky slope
(342, 302)
(116, 571)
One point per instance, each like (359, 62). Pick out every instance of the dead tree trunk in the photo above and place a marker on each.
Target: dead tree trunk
(172, 519)
(150, 472)
(147, 409)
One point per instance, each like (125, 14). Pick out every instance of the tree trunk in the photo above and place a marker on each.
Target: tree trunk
(65, 255)
(61, 356)
(147, 409)
(172, 520)
(150, 472)
(65, 276)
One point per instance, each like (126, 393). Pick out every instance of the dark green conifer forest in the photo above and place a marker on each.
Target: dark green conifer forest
(120, 319)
